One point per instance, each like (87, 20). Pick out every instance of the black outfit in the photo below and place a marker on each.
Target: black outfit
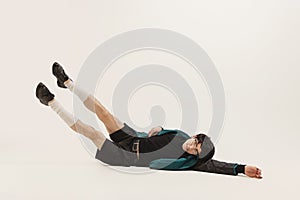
(150, 148)
(121, 151)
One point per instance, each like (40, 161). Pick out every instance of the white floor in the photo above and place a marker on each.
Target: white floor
(64, 170)
(90, 180)
(254, 45)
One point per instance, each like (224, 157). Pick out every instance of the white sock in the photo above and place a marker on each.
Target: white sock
(64, 114)
(77, 90)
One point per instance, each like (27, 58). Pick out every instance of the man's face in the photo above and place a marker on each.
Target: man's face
(191, 146)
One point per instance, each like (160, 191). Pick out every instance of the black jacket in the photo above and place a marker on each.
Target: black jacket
(113, 155)
(215, 166)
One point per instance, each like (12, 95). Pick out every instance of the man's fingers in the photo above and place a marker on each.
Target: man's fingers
(259, 176)
(258, 173)
(150, 133)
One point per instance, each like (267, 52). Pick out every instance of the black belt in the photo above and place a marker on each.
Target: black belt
(136, 148)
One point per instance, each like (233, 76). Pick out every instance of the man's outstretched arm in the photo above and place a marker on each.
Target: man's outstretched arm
(219, 167)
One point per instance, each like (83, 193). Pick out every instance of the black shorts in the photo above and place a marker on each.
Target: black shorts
(124, 137)
(119, 152)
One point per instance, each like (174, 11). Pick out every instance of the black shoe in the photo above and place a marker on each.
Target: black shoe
(59, 73)
(43, 94)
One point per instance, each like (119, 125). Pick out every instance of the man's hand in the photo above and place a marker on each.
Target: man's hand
(154, 131)
(253, 172)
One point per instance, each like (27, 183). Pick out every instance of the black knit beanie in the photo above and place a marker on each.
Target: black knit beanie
(207, 147)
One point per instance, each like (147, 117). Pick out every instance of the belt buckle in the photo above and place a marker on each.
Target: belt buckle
(135, 146)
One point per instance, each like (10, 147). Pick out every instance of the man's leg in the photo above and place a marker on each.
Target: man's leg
(96, 136)
(111, 122)
(78, 126)
(47, 98)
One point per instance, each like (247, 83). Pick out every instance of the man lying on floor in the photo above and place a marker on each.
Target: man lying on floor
(159, 149)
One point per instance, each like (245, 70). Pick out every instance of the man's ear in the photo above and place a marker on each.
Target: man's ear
(199, 148)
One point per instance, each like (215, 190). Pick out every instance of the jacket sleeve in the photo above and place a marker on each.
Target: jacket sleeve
(215, 166)
(173, 164)
(167, 164)
(164, 131)
(142, 134)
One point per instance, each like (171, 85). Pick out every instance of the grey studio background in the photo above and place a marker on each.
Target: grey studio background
(254, 45)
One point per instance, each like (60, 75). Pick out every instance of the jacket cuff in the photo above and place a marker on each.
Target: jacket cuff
(239, 169)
